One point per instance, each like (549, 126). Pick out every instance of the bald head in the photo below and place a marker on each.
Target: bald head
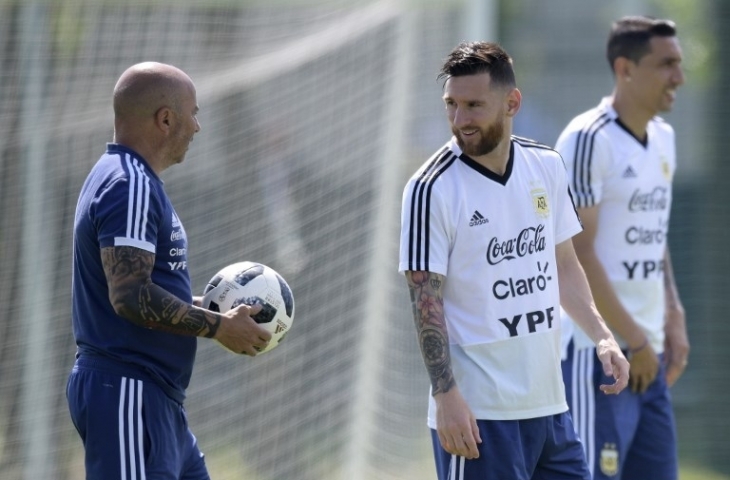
(155, 108)
(144, 88)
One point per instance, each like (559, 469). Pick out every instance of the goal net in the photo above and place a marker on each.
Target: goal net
(307, 115)
(313, 115)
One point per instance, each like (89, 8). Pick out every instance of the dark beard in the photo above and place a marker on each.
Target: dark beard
(490, 139)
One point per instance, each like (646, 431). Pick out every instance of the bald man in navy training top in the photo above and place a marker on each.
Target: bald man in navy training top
(135, 320)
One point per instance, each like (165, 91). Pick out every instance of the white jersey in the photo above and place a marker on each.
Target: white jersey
(631, 183)
(493, 238)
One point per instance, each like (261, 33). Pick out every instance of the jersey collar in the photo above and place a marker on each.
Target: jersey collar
(118, 148)
(607, 106)
(501, 179)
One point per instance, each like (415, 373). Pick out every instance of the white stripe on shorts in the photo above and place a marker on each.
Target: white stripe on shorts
(131, 435)
(456, 468)
(584, 401)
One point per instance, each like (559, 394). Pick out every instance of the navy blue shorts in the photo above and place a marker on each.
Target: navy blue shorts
(628, 435)
(131, 429)
(544, 448)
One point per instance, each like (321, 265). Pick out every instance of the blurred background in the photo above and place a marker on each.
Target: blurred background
(313, 115)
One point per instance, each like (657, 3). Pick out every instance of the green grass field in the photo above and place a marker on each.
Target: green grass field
(229, 466)
(692, 472)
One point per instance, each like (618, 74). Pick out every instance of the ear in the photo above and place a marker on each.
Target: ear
(623, 69)
(164, 118)
(514, 101)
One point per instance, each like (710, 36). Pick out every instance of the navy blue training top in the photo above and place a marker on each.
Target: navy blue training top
(123, 203)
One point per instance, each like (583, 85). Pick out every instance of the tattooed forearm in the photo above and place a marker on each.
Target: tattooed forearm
(435, 349)
(202, 323)
(137, 299)
(428, 314)
(160, 310)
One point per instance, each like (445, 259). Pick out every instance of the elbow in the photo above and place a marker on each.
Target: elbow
(125, 302)
(584, 254)
(119, 304)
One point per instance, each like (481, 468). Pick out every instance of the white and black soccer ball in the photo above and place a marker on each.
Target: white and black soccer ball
(252, 283)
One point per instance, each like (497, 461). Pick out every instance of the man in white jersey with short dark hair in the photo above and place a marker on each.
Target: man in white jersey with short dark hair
(485, 244)
(621, 159)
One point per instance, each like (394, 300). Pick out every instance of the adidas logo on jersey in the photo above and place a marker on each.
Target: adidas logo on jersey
(629, 173)
(477, 219)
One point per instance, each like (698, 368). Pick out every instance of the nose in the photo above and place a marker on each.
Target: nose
(197, 125)
(459, 117)
(679, 76)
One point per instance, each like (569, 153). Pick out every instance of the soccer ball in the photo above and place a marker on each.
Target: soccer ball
(252, 283)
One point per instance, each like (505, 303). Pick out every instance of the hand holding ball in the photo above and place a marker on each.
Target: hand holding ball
(252, 283)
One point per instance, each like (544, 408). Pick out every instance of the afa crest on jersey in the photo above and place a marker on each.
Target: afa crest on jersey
(666, 169)
(540, 202)
(609, 459)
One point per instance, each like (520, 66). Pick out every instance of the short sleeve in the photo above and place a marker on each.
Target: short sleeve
(586, 158)
(424, 239)
(567, 221)
(126, 213)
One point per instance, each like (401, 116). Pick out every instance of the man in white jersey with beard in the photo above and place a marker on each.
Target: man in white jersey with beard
(485, 243)
(621, 159)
